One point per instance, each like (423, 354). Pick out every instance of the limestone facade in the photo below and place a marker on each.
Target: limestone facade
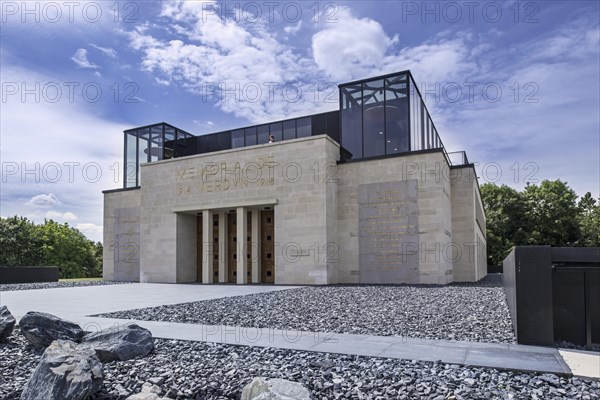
(404, 219)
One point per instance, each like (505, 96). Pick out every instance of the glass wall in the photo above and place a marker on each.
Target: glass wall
(423, 134)
(303, 127)
(281, 130)
(385, 116)
(237, 138)
(289, 129)
(250, 134)
(276, 130)
(150, 143)
(130, 160)
(396, 115)
(263, 134)
(375, 116)
(351, 109)
(378, 117)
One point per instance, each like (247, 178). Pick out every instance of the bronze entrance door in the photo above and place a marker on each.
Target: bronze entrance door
(232, 246)
(201, 256)
(267, 236)
(199, 249)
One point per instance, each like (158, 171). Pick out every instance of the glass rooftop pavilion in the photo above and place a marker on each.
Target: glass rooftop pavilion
(384, 116)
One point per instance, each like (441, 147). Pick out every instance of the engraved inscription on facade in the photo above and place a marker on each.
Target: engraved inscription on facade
(388, 220)
(211, 177)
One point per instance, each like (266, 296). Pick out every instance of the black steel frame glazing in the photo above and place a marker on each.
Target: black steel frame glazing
(378, 117)
(160, 141)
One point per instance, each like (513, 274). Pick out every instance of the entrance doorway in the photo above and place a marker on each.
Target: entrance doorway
(267, 241)
(267, 247)
(215, 255)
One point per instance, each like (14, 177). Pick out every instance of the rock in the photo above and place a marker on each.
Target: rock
(67, 370)
(274, 389)
(121, 342)
(149, 392)
(156, 380)
(41, 329)
(7, 323)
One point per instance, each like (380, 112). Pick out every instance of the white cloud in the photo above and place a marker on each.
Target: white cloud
(92, 231)
(351, 46)
(80, 58)
(59, 216)
(250, 73)
(106, 50)
(162, 82)
(216, 51)
(43, 200)
(293, 29)
(68, 167)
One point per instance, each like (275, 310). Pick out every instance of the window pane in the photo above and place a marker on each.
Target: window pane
(130, 161)
(250, 134)
(351, 109)
(156, 144)
(169, 142)
(319, 124)
(396, 115)
(263, 134)
(142, 150)
(237, 138)
(373, 119)
(289, 129)
(415, 118)
(277, 130)
(303, 127)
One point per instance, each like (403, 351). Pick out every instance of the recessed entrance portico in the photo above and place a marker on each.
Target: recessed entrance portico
(235, 244)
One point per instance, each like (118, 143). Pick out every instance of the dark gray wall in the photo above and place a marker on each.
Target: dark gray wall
(28, 274)
(551, 294)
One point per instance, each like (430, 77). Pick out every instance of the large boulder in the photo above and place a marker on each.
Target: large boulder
(7, 323)
(41, 329)
(67, 370)
(274, 389)
(121, 342)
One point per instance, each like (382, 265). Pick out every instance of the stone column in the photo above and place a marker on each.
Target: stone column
(255, 240)
(223, 255)
(242, 257)
(207, 246)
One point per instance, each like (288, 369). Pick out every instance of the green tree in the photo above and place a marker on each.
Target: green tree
(68, 249)
(19, 244)
(553, 214)
(24, 243)
(98, 255)
(507, 220)
(587, 203)
(589, 221)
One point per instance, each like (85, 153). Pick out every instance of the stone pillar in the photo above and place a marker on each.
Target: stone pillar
(242, 257)
(223, 255)
(207, 246)
(255, 240)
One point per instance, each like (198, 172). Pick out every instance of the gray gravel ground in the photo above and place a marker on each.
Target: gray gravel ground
(470, 312)
(194, 370)
(6, 287)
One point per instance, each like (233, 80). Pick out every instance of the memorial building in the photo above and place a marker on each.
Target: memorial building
(365, 194)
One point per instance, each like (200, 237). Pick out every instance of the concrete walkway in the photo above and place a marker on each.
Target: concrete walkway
(77, 304)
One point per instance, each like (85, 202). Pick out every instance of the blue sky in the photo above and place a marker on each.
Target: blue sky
(515, 84)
